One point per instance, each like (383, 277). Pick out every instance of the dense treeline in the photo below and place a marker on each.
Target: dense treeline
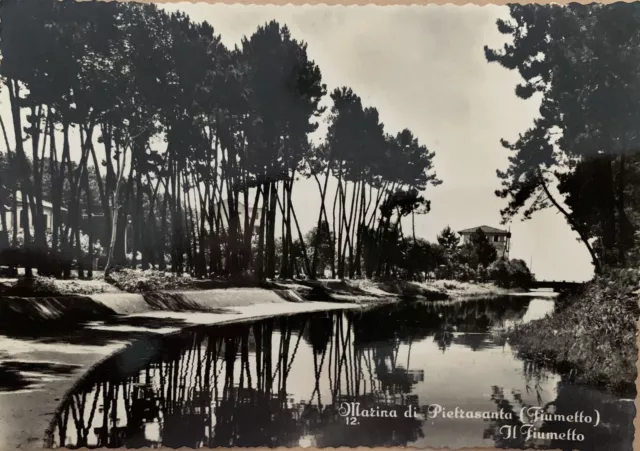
(417, 259)
(583, 61)
(157, 146)
(187, 152)
(581, 157)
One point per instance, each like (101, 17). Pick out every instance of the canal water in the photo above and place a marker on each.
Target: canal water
(405, 374)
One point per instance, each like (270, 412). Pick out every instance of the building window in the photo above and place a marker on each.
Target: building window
(496, 239)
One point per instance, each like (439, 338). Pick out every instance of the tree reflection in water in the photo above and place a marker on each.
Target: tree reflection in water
(233, 385)
(227, 386)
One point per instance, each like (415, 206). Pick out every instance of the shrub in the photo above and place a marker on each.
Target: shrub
(98, 250)
(138, 281)
(594, 333)
(483, 274)
(510, 273)
(464, 273)
(33, 286)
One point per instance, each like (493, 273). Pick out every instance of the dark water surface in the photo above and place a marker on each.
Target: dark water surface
(283, 382)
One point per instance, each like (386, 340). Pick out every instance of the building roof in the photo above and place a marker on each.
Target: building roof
(486, 229)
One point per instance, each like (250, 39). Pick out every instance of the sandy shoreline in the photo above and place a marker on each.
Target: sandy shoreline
(72, 308)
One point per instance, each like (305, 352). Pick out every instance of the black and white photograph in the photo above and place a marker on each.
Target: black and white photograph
(227, 225)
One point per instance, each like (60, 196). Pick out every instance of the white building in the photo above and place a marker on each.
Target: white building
(501, 239)
(22, 215)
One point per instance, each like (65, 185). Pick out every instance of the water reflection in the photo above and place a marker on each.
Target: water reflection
(281, 381)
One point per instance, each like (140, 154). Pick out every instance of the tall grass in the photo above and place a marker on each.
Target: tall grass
(592, 334)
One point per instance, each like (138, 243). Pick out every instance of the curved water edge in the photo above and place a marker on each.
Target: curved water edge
(67, 309)
(52, 311)
(320, 306)
(436, 339)
(202, 301)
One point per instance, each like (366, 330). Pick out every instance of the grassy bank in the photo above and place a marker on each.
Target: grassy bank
(153, 281)
(46, 286)
(591, 337)
(136, 281)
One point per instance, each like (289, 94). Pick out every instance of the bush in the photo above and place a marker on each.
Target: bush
(138, 281)
(39, 286)
(98, 250)
(510, 273)
(465, 273)
(483, 274)
(594, 333)
(33, 286)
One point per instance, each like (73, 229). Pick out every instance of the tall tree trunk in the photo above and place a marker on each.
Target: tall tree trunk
(260, 268)
(285, 264)
(89, 226)
(341, 207)
(625, 228)
(359, 228)
(163, 233)
(292, 213)
(138, 222)
(574, 225)
(271, 231)
(323, 193)
(22, 165)
(609, 234)
(115, 213)
(357, 185)
(249, 231)
(40, 238)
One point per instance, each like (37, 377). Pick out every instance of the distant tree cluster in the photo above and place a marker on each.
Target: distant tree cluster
(477, 260)
(584, 62)
(189, 151)
(419, 259)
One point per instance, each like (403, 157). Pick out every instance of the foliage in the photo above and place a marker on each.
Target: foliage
(510, 273)
(583, 62)
(586, 137)
(419, 257)
(98, 250)
(449, 240)
(40, 286)
(381, 179)
(465, 272)
(481, 248)
(33, 286)
(191, 149)
(595, 332)
(321, 240)
(139, 281)
(477, 253)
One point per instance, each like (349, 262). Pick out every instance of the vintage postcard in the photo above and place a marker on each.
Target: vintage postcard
(319, 226)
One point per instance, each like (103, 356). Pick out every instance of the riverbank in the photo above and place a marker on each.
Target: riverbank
(45, 302)
(64, 336)
(591, 337)
(147, 281)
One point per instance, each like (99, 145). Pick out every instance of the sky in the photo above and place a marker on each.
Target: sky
(423, 68)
